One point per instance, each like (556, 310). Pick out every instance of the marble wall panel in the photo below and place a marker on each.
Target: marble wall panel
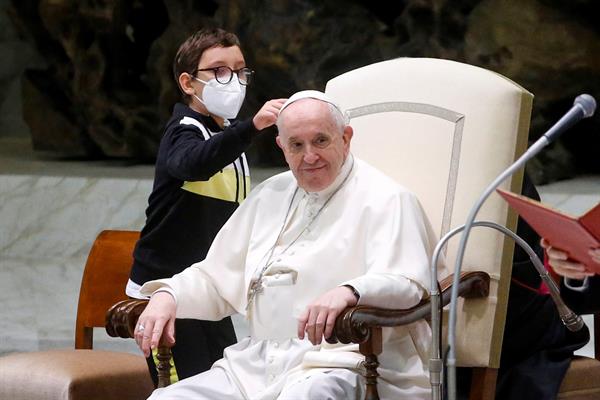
(46, 216)
(47, 226)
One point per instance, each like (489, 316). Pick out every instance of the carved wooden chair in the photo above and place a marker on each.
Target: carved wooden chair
(444, 130)
(83, 373)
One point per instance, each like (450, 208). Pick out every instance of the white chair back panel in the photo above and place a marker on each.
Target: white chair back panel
(420, 131)
(445, 130)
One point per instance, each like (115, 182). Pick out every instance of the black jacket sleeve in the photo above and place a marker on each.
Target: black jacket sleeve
(192, 158)
(586, 302)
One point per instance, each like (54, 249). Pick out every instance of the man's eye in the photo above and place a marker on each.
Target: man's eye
(322, 141)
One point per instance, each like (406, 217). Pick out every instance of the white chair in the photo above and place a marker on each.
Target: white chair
(445, 130)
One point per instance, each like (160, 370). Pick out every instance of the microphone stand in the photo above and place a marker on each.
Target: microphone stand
(583, 107)
(571, 320)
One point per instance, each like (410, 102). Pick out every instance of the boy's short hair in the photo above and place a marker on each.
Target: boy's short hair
(190, 51)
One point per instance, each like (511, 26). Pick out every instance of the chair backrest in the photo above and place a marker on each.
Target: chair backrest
(103, 282)
(445, 130)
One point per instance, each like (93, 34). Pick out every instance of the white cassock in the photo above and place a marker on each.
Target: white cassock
(370, 234)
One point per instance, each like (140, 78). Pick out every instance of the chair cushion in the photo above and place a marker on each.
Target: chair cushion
(74, 375)
(582, 380)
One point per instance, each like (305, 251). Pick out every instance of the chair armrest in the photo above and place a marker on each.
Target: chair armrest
(122, 317)
(121, 320)
(354, 324)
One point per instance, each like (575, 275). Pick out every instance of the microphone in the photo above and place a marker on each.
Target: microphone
(587, 104)
(583, 107)
(572, 321)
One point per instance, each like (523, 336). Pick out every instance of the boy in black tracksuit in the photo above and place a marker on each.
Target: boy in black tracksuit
(201, 177)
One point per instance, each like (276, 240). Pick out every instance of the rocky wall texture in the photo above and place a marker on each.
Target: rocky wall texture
(16, 56)
(106, 88)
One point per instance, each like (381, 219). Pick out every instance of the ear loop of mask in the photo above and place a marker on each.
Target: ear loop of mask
(195, 95)
(199, 99)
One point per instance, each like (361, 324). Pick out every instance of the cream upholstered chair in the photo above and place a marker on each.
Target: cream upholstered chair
(445, 130)
(83, 373)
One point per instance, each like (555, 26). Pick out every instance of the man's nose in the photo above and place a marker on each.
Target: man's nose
(310, 155)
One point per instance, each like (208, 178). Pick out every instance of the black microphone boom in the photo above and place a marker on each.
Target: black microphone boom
(583, 107)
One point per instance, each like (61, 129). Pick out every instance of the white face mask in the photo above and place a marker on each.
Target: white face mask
(223, 101)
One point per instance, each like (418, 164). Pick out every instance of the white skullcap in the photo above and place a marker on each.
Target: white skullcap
(311, 94)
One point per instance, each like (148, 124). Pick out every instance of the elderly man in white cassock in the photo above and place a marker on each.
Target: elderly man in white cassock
(331, 233)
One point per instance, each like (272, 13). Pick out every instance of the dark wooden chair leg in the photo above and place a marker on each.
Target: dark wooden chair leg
(164, 366)
(371, 349)
(483, 384)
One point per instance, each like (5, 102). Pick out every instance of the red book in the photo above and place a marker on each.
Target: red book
(575, 236)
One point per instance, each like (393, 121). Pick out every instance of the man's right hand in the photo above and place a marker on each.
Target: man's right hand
(267, 115)
(157, 319)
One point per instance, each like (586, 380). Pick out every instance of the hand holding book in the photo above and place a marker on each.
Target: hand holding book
(575, 241)
(560, 263)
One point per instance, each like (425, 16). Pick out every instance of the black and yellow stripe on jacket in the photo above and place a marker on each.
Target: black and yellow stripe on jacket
(201, 176)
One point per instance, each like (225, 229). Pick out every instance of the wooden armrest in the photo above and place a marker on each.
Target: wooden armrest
(121, 320)
(354, 323)
(122, 317)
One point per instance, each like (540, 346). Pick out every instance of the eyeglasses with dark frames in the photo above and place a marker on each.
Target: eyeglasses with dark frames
(224, 74)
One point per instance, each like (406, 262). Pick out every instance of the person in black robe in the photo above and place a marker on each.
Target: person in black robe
(537, 348)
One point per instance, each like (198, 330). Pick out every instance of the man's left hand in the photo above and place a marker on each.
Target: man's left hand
(318, 319)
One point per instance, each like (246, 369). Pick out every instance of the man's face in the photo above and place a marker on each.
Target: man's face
(313, 145)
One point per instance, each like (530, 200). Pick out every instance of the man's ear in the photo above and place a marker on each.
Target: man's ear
(278, 141)
(185, 83)
(347, 135)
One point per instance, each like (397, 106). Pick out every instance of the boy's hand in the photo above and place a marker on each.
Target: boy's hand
(268, 113)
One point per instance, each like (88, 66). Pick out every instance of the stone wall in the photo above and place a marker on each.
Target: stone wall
(107, 89)
(17, 54)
